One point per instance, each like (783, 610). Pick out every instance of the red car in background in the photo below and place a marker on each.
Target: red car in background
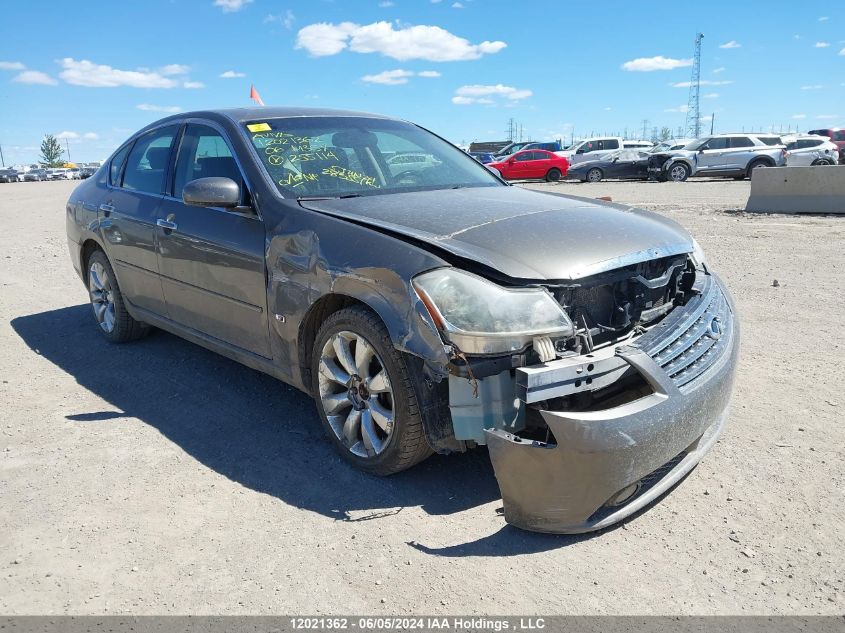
(532, 164)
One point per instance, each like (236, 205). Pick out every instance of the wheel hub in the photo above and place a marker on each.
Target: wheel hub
(357, 393)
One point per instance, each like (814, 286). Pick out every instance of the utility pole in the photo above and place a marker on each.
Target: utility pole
(693, 109)
(2, 160)
(712, 122)
(645, 129)
(68, 150)
(511, 130)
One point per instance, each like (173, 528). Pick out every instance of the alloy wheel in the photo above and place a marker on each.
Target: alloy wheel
(356, 394)
(594, 175)
(102, 295)
(678, 173)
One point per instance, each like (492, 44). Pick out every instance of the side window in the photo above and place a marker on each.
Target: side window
(741, 141)
(204, 153)
(117, 165)
(611, 143)
(524, 156)
(839, 135)
(716, 143)
(146, 166)
(541, 155)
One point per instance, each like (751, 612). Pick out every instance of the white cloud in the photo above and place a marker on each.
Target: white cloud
(824, 18)
(91, 136)
(34, 77)
(397, 77)
(649, 64)
(680, 108)
(91, 75)
(827, 117)
(608, 109)
(457, 5)
(230, 6)
(703, 82)
(711, 95)
(287, 19)
(731, 44)
(389, 77)
(718, 70)
(12, 66)
(147, 107)
(476, 93)
(174, 69)
(431, 43)
(70, 136)
(842, 52)
(799, 116)
(232, 74)
(813, 87)
(821, 45)
(193, 84)
(385, 4)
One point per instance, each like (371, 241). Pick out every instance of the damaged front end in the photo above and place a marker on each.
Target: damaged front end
(588, 424)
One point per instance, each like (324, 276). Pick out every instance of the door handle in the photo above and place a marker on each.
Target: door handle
(106, 208)
(167, 225)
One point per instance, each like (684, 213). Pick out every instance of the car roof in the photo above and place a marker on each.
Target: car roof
(240, 115)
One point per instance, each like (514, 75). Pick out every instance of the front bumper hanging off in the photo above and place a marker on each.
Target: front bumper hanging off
(604, 465)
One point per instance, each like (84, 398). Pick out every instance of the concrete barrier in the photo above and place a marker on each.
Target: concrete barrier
(798, 190)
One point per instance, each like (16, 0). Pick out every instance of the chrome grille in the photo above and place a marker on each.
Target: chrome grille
(692, 338)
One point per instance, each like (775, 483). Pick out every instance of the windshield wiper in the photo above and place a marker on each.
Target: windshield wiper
(340, 197)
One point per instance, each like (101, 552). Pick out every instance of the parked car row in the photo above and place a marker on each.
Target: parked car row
(718, 155)
(41, 174)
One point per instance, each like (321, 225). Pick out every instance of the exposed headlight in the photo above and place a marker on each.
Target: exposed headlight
(481, 317)
(697, 255)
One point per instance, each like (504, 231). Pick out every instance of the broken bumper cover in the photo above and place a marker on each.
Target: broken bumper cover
(606, 465)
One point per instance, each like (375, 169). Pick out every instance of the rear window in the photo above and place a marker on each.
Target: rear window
(839, 135)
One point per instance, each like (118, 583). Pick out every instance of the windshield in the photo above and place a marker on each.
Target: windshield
(352, 156)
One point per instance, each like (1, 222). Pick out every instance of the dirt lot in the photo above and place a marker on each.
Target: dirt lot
(157, 477)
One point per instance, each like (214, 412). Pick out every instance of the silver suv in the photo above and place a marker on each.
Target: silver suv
(735, 155)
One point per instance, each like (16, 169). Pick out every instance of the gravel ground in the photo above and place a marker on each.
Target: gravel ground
(157, 477)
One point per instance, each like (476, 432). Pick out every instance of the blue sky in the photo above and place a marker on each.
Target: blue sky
(95, 71)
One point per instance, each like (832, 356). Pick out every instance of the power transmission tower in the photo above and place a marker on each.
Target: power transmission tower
(693, 110)
(645, 129)
(511, 130)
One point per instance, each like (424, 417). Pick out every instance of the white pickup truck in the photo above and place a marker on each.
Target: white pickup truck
(591, 149)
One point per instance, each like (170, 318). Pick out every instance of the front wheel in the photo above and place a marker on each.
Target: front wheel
(594, 175)
(679, 172)
(821, 162)
(115, 322)
(553, 175)
(364, 389)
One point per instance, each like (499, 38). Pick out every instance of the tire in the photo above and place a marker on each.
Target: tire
(595, 175)
(756, 165)
(109, 309)
(380, 432)
(678, 172)
(553, 175)
(821, 162)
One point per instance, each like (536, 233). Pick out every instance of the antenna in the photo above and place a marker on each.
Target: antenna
(693, 110)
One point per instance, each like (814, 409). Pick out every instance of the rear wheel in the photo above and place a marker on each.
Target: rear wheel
(595, 175)
(821, 162)
(115, 322)
(553, 175)
(679, 172)
(757, 164)
(364, 389)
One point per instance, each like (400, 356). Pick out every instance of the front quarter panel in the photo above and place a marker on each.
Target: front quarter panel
(311, 255)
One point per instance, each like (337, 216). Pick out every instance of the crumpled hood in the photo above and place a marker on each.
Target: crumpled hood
(523, 234)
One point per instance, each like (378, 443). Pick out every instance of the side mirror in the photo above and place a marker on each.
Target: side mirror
(615, 159)
(701, 151)
(212, 192)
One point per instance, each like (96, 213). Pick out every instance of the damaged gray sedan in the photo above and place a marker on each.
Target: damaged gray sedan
(426, 305)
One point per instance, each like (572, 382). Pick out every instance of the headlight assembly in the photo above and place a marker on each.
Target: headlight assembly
(481, 317)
